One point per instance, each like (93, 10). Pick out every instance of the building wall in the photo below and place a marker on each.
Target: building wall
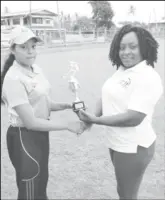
(159, 26)
(45, 19)
(158, 29)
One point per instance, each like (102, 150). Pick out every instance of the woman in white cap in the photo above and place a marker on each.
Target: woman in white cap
(25, 91)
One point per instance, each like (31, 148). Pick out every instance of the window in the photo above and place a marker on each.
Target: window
(16, 21)
(3, 22)
(37, 20)
(47, 21)
(8, 21)
(25, 21)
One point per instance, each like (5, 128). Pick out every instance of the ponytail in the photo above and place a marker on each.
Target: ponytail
(7, 64)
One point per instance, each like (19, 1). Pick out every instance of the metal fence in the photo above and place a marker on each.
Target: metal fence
(63, 37)
(78, 36)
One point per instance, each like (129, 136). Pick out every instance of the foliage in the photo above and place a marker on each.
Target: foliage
(84, 23)
(102, 14)
(6, 9)
(132, 10)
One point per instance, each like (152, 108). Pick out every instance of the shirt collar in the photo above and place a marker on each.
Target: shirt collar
(138, 67)
(26, 71)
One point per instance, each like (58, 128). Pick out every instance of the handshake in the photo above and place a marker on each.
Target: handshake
(84, 123)
(78, 127)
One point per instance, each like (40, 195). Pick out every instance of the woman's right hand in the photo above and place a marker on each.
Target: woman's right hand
(86, 126)
(76, 127)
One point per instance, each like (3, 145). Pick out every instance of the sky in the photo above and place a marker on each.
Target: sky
(146, 11)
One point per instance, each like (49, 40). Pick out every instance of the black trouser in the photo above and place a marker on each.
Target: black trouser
(29, 154)
(129, 170)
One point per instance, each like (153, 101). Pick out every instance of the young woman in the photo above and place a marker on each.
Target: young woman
(126, 107)
(25, 92)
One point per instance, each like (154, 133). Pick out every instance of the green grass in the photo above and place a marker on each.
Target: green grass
(80, 167)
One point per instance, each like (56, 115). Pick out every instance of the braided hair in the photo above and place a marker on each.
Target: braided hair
(148, 45)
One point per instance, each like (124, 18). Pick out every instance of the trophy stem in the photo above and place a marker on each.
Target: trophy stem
(77, 98)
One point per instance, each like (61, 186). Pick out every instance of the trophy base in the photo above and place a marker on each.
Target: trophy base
(78, 105)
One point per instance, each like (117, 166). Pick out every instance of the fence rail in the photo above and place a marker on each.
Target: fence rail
(55, 37)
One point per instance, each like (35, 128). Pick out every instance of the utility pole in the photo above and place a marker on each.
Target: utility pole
(149, 18)
(30, 16)
(58, 13)
(155, 19)
(149, 26)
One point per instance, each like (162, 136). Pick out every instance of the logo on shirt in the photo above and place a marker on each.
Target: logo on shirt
(34, 84)
(125, 83)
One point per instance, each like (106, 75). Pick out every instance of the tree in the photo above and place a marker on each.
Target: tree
(84, 23)
(76, 16)
(67, 22)
(76, 27)
(6, 9)
(102, 14)
(62, 19)
(131, 12)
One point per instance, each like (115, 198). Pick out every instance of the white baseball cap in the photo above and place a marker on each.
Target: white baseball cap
(22, 34)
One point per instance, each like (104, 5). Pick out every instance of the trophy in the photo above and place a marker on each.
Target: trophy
(74, 86)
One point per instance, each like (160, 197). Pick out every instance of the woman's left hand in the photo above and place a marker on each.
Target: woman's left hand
(86, 117)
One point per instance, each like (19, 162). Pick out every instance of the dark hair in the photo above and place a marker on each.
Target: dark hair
(148, 45)
(7, 64)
